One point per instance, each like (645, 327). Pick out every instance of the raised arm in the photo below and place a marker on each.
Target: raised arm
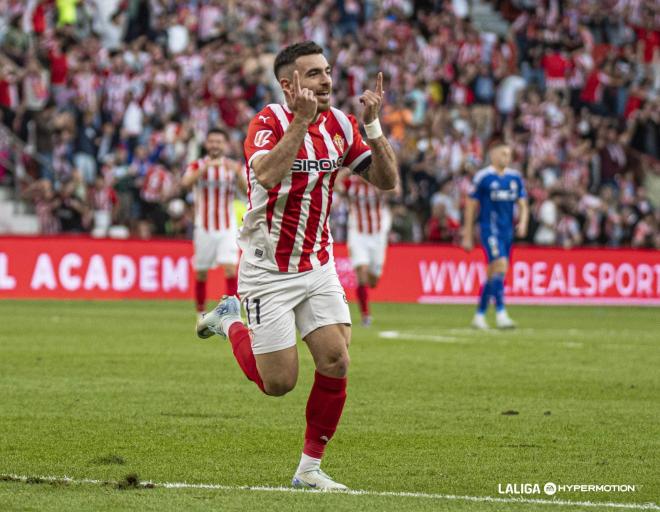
(271, 168)
(383, 171)
(191, 176)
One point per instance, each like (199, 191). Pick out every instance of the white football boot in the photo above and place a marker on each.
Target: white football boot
(229, 308)
(316, 479)
(503, 321)
(479, 322)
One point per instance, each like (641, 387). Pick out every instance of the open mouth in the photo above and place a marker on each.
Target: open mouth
(323, 95)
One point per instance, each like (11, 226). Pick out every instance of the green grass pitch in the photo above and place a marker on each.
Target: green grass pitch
(101, 390)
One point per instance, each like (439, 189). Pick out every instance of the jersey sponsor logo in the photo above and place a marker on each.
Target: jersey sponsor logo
(264, 118)
(339, 142)
(261, 138)
(322, 165)
(503, 195)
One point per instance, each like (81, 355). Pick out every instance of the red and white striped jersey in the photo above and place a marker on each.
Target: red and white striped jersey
(367, 211)
(116, 89)
(103, 199)
(286, 228)
(214, 194)
(87, 86)
(157, 184)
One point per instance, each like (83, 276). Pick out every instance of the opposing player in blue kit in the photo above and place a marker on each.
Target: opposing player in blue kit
(496, 191)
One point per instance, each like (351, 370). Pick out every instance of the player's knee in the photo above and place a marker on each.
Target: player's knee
(279, 386)
(335, 365)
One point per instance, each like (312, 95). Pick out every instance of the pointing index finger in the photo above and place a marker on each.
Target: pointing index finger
(296, 83)
(379, 84)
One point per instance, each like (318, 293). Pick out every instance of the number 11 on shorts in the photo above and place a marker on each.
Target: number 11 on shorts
(257, 310)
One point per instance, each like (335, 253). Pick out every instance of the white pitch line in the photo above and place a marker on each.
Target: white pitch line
(397, 335)
(350, 492)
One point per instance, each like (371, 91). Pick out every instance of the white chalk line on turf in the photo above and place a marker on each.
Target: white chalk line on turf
(350, 492)
(398, 335)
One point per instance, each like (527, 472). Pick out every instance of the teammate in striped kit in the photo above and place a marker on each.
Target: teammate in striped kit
(368, 226)
(287, 276)
(214, 179)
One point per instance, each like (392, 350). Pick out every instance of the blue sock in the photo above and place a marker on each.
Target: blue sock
(485, 297)
(498, 291)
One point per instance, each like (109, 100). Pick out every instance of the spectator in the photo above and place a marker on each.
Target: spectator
(404, 225)
(548, 218)
(132, 124)
(104, 202)
(568, 229)
(41, 192)
(440, 227)
(156, 190)
(69, 209)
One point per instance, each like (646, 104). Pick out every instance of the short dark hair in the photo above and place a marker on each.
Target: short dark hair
(497, 141)
(289, 54)
(218, 130)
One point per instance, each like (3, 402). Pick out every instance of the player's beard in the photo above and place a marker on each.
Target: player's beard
(323, 106)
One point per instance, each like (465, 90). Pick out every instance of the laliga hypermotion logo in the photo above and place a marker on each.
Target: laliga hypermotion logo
(261, 138)
(551, 488)
(339, 142)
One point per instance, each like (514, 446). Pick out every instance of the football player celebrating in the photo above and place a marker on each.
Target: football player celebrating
(496, 189)
(287, 277)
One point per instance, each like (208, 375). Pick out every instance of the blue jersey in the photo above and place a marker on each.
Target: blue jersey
(497, 195)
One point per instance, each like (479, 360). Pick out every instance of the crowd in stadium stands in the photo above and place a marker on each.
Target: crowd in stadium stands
(113, 107)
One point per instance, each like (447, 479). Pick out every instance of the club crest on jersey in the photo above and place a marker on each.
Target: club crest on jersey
(261, 138)
(339, 142)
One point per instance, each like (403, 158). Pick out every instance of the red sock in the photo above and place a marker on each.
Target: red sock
(363, 299)
(324, 407)
(231, 285)
(239, 337)
(200, 295)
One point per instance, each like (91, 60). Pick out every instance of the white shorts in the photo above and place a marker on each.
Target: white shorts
(214, 248)
(277, 303)
(367, 249)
